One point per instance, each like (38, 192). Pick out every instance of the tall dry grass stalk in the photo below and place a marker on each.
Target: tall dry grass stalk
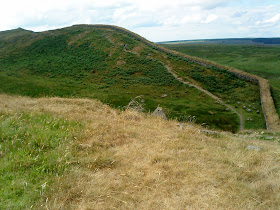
(128, 160)
(270, 113)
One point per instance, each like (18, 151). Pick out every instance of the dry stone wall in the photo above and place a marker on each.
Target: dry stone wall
(270, 113)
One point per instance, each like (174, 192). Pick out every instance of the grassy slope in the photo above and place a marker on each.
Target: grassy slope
(259, 60)
(126, 160)
(32, 154)
(90, 62)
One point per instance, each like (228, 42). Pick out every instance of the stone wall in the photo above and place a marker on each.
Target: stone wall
(270, 113)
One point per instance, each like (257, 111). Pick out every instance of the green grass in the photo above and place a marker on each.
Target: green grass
(92, 63)
(33, 152)
(260, 60)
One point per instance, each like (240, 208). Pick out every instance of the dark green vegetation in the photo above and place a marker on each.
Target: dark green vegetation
(33, 152)
(92, 62)
(260, 60)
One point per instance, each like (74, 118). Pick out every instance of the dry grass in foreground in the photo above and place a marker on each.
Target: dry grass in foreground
(129, 160)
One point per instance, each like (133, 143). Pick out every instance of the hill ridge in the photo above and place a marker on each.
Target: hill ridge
(270, 114)
(139, 66)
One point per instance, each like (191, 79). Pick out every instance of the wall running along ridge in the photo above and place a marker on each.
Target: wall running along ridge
(270, 114)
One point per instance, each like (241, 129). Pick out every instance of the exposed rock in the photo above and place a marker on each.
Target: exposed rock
(180, 126)
(252, 147)
(258, 111)
(249, 119)
(120, 62)
(163, 95)
(159, 113)
(238, 102)
(249, 110)
(244, 107)
(269, 137)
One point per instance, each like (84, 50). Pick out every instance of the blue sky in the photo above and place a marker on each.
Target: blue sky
(155, 20)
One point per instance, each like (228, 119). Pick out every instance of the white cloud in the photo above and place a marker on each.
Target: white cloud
(210, 18)
(155, 20)
(272, 20)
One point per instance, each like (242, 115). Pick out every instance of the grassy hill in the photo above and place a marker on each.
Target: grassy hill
(259, 60)
(115, 67)
(58, 153)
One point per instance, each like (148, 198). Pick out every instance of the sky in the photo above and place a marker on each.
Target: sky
(156, 20)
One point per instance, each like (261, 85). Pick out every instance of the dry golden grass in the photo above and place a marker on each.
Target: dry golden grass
(130, 160)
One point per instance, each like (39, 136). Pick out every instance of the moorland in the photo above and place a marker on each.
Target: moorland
(257, 58)
(69, 140)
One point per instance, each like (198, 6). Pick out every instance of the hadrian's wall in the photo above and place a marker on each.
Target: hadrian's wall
(270, 113)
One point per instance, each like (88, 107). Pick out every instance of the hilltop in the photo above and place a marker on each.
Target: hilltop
(14, 33)
(59, 153)
(115, 66)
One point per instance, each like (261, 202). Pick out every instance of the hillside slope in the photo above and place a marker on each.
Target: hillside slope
(114, 66)
(95, 157)
(253, 60)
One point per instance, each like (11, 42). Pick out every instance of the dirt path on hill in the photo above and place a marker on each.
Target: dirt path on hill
(268, 106)
(210, 94)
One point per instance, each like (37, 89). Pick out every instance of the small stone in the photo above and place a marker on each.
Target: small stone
(269, 137)
(251, 147)
(258, 111)
(238, 102)
(163, 95)
(159, 113)
(244, 107)
(250, 106)
(249, 110)
(180, 126)
(210, 112)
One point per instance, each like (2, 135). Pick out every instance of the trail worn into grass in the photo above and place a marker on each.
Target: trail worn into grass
(211, 95)
(269, 110)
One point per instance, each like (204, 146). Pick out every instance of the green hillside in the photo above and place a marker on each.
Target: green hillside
(115, 67)
(260, 60)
